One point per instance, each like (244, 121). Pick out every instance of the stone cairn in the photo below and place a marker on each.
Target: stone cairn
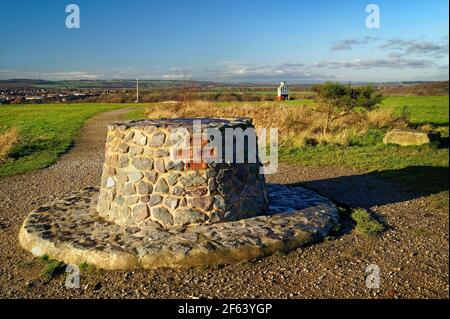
(143, 184)
(159, 205)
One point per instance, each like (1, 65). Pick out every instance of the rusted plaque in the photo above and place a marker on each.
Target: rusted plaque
(195, 151)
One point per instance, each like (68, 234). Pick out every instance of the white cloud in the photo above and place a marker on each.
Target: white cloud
(73, 75)
(242, 72)
(70, 75)
(348, 44)
(417, 47)
(398, 46)
(391, 62)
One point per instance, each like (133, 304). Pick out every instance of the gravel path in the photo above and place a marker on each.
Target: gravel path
(412, 254)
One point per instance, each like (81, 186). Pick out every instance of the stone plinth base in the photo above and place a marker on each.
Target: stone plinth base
(70, 229)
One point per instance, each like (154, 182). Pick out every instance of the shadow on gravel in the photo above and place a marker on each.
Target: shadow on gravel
(382, 187)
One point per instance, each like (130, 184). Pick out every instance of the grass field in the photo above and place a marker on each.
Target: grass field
(422, 169)
(45, 132)
(423, 109)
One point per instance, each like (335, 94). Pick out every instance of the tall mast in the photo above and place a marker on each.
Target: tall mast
(137, 90)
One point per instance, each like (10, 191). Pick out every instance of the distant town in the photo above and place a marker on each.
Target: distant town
(37, 96)
(126, 91)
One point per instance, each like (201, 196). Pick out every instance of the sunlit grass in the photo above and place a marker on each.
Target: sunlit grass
(45, 132)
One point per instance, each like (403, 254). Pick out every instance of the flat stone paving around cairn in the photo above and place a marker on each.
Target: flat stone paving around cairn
(71, 230)
(206, 213)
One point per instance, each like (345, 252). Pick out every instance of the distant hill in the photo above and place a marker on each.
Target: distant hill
(93, 84)
(388, 88)
(428, 88)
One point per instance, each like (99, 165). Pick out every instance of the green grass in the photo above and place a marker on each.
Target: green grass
(423, 109)
(85, 267)
(137, 113)
(44, 258)
(369, 157)
(422, 169)
(365, 223)
(52, 268)
(46, 131)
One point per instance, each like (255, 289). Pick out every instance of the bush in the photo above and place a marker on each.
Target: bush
(336, 101)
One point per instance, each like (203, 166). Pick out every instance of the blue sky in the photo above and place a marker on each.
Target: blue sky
(225, 40)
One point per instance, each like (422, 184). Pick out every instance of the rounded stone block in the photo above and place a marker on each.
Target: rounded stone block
(145, 165)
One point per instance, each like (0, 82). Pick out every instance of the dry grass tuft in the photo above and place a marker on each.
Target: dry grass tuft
(297, 125)
(385, 117)
(8, 140)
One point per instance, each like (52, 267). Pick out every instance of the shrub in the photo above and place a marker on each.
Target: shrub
(336, 101)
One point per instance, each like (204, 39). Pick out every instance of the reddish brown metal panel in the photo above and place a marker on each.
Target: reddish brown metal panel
(193, 149)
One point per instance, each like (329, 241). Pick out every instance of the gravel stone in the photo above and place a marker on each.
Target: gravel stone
(170, 202)
(144, 188)
(192, 180)
(140, 139)
(159, 165)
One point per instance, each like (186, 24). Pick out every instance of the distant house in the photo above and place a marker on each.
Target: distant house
(16, 100)
(283, 92)
(34, 99)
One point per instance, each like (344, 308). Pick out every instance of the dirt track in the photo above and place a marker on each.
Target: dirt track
(413, 254)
